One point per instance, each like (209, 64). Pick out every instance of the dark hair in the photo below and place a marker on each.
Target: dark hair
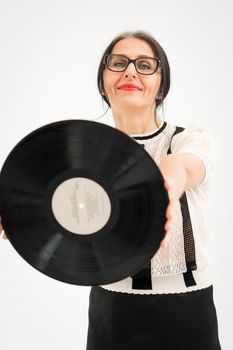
(158, 52)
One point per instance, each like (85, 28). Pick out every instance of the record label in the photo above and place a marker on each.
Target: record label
(81, 205)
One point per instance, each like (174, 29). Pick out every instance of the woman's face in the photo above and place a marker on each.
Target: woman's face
(147, 86)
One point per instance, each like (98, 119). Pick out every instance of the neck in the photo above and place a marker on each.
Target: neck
(134, 122)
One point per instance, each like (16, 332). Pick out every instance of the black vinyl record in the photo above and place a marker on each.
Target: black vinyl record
(82, 202)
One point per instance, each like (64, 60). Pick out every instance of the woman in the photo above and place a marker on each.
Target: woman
(169, 304)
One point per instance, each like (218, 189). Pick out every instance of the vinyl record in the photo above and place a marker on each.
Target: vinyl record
(82, 202)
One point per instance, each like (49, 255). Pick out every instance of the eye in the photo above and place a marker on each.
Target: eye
(144, 65)
(118, 62)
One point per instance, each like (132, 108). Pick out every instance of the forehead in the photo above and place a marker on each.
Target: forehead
(132, 48)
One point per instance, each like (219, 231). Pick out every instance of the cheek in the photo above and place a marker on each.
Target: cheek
(108, 82)
(153, 87)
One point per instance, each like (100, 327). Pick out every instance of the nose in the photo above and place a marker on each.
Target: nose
(130, 71)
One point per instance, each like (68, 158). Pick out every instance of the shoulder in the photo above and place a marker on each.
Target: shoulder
(197, 139)
(195, 135)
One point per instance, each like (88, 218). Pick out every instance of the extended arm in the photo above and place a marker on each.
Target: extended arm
(180, 171)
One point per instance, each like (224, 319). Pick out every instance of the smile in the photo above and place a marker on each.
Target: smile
(129, 87)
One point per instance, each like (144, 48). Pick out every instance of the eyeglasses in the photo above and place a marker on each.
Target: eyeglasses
(143, 65)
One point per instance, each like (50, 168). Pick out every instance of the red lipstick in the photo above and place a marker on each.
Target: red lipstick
(129, 87)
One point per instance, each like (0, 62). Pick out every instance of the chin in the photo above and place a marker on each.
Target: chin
(132, 102)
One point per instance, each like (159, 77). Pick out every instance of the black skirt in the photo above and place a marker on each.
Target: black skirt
(121, 321)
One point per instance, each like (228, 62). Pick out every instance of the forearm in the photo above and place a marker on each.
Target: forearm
(173, 169)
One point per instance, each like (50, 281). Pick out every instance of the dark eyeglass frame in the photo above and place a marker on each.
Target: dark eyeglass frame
(105, 62)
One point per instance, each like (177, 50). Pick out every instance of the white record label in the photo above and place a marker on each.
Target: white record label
(81, 205)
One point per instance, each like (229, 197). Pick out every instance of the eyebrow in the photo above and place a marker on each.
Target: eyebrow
(139, 56)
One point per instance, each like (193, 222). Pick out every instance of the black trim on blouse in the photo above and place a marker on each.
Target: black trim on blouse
(152, 135)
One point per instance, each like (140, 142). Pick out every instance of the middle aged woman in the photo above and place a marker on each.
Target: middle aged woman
(169, 304)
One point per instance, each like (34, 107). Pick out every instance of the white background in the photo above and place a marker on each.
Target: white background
(49, 54)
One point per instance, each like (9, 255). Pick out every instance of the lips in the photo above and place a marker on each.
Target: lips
(129, 87)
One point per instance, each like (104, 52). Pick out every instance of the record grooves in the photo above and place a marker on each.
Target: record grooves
(82, 202)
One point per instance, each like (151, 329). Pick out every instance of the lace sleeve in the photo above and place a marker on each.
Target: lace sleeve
(200, 141)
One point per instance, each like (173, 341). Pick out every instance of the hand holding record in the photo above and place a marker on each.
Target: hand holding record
(82, 202)
(169, 184)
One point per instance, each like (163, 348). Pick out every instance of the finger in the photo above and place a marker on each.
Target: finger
(168, 183)
(2, 232)
(164, 243)
(167, 187)
(167, 236)
(168, 225)
(4, 236)
(170, 209)
(169, 212)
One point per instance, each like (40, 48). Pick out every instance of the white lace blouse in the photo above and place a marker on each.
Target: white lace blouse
(168, 264)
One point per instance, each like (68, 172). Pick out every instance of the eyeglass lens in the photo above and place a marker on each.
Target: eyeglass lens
(143, 65)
